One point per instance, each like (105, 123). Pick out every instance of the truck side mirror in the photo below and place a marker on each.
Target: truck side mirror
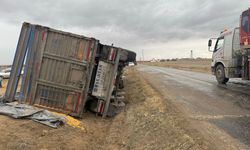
(210, 43)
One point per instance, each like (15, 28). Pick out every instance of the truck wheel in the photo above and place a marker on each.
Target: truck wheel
(220, 74)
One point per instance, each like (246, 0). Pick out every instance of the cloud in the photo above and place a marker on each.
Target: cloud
(130, 23)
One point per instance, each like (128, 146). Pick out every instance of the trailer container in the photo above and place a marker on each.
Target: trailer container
(65, 72)
(57, 69)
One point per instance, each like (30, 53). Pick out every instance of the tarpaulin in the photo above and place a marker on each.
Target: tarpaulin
(21, 111)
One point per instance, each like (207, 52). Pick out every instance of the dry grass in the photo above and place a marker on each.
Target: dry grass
(199, 65)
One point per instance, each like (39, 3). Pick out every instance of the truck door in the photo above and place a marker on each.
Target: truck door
(218, 53)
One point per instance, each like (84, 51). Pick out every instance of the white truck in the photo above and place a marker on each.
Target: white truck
(231, 52)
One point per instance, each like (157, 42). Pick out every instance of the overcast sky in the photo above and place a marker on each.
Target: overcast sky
(161, 28)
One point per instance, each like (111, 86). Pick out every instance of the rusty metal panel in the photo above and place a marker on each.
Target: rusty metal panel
(58, 68)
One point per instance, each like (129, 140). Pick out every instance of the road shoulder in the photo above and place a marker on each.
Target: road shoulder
(151, 122)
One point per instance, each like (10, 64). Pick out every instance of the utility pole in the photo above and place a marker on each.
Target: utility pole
(191, 54)
(142, 55)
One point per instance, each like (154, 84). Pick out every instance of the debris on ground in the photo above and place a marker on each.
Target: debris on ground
(23, 111)
(71, 121)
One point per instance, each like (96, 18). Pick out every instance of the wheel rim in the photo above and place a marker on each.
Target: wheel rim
(219, 73)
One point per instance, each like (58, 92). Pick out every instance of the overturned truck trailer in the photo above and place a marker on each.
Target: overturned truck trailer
(66, 72)
(106, 84)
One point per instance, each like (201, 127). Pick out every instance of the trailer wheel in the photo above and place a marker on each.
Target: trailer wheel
(220, 74)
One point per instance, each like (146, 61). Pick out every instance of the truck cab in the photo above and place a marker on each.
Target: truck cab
(231, 52)
(225, 61)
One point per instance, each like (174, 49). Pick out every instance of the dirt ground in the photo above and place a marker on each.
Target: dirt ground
(147, 122)
(199, 65)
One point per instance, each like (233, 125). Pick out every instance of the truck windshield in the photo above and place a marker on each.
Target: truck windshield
(219, 44)
(244, 21)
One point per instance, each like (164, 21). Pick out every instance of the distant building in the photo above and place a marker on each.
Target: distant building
(155, 60)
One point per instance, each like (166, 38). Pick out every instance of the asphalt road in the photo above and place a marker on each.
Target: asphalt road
(221, 113)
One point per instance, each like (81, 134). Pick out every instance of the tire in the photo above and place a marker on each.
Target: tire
(220, 74)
